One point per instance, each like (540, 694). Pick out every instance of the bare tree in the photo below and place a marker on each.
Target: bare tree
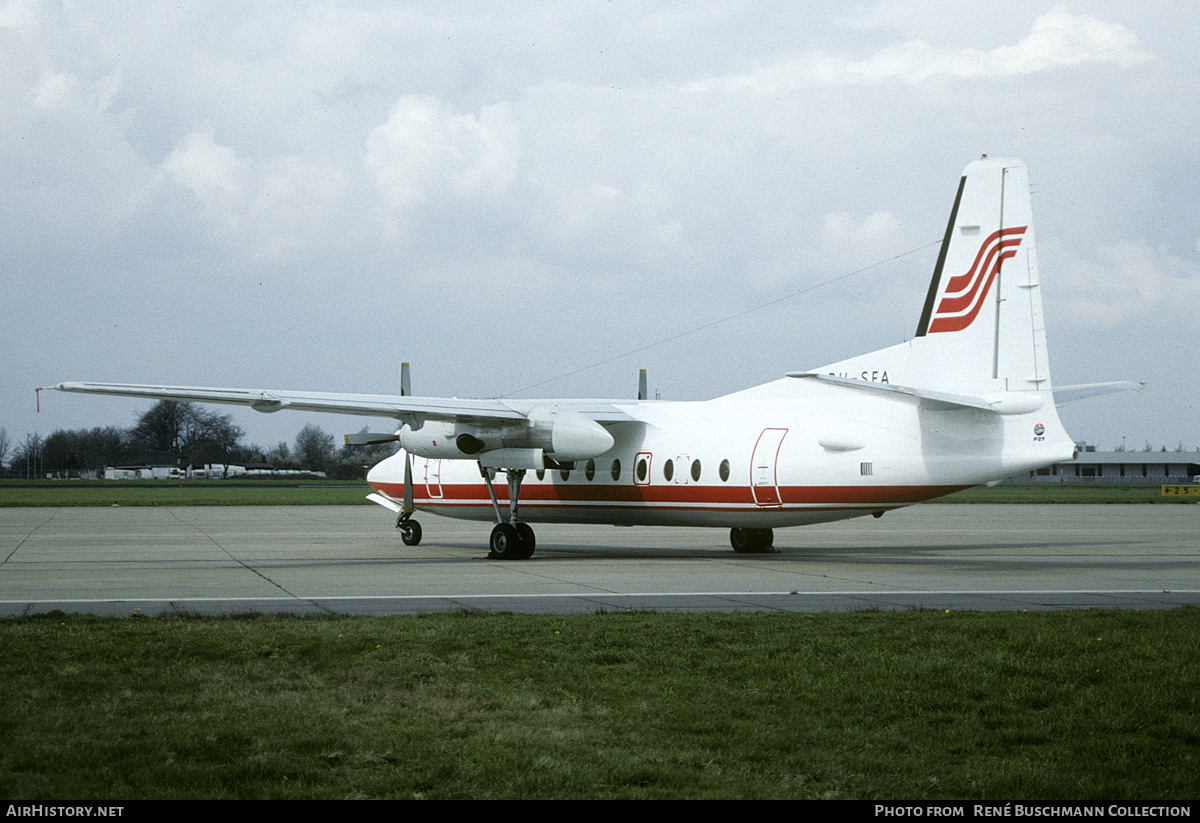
(280, 457)
(30, 455)
(78, 450)
(179, 427)
(314, 448)
(5, 445)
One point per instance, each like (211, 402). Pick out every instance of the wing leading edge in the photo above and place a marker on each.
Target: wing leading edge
(413, 411)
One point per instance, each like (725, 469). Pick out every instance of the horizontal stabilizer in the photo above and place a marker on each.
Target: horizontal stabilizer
(1081, 391)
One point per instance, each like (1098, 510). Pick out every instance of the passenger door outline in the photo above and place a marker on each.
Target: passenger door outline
(764, 482)
(433, 478)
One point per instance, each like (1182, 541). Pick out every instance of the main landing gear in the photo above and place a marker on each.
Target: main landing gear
(511, 539)
(751, 541)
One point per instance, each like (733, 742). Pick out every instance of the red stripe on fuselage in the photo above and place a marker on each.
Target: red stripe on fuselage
(732, 498)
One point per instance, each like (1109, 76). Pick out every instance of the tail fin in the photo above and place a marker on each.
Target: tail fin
(981, 331)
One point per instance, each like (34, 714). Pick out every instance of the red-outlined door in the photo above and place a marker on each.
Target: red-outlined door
(763, 482)
(433, 478)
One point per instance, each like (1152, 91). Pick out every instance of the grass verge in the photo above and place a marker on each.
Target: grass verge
(1066, 493)
(897, 705)
(68, 493)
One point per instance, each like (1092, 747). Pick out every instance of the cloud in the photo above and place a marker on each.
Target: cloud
(214, 173)
(1058, 39)
(425, 149)
(846, 243)
(271, 208)
(57, 91)
(1125, 283)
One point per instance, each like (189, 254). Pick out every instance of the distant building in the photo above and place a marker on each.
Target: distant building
(1121, 467)
(145, 472)
(206, 471)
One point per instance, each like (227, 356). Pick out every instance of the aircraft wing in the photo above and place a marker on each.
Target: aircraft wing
(412, 410)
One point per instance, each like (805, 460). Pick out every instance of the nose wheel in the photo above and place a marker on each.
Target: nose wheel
(410, 531)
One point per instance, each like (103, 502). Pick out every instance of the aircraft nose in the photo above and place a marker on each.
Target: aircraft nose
(388, 470)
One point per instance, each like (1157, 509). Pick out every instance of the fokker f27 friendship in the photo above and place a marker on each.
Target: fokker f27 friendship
(966, 401)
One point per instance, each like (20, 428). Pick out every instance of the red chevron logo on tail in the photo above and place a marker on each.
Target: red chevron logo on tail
(965, 293)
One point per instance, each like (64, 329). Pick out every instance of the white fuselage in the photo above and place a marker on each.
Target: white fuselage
(787, 453)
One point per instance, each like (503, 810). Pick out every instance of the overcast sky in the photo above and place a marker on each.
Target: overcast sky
(529, 198)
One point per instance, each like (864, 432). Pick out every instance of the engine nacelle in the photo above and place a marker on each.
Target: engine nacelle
(564, 435)
(436, 440)
(572, 436)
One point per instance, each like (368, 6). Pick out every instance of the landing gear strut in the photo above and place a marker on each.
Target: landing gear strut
(510, 539)
(751, 541)
(410, 530)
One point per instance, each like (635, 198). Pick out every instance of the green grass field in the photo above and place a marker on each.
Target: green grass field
(329, 493)
(1067, 493)
(1070, 705)
(181, 493)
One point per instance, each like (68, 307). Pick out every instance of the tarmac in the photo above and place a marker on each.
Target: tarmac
(350, 560)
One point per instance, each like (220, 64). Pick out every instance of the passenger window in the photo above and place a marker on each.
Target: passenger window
(723, 470)
(616, 470)
(696, 470)
(669, 469)
(589, 470)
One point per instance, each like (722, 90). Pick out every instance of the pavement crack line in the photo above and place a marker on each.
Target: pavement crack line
(25, 539)
(229, 554)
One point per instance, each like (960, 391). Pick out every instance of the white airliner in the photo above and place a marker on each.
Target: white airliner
(967, 400)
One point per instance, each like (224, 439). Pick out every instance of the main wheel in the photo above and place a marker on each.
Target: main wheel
(751, 541)
(740, 540)
(505, 542)
(410, 532)
(528, 541)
